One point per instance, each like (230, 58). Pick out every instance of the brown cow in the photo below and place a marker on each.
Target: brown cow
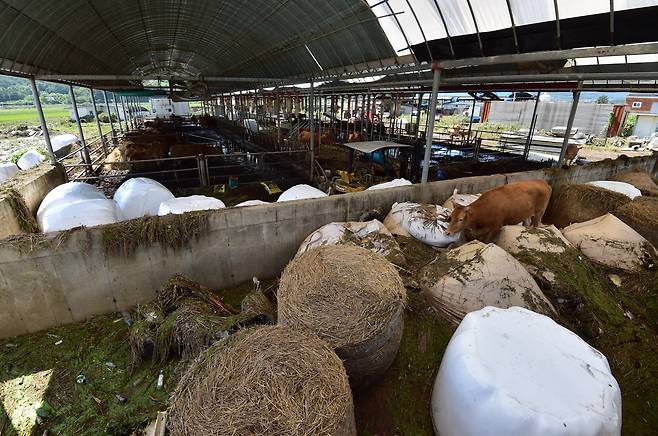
(183, 150)
(501, 206)
(114, 159)
(139, 151)
(355, 137)
(327, 137)
(571, 154)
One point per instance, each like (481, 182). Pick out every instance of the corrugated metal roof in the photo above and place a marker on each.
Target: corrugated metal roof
(244, 38)
(210, 46)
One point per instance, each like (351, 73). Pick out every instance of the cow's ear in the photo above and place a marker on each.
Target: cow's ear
(458, 207)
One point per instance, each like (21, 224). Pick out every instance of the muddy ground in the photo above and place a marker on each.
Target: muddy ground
(38, 373)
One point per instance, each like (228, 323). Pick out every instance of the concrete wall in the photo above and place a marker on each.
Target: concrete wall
(53, 286)
(32, 185)
(591, 118)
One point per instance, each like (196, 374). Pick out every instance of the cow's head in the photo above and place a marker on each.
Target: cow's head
(457, 219)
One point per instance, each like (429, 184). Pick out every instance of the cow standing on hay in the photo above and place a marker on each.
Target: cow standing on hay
(505, 205)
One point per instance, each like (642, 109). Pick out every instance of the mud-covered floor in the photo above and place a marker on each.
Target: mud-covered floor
(38, 372)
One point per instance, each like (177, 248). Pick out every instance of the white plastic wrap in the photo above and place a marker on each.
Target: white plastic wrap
(7, 171)
(610, 241)
(336, 233)
(251, 203)
(69, 214)
(425, 222)
(516, 372)
(392, 184)
(461, 199)
(301, 192)
(623, 188)
(30, 159)
(181, 205)
(62, 143)
(68, 193)
(476, 275)
(140, 197)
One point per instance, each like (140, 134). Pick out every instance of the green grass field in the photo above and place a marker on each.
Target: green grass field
(57, 117)
(28, 115)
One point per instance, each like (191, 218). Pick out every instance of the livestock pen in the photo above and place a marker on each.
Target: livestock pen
(146, 256)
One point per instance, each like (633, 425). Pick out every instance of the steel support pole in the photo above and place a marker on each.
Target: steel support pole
(470, 123)
(311, 125)
(76, 114)
(531, 129)
(429, 134)
(116, 106)
(126, 115)
(277, 109)
(98, 122)
(572, 117)
(42, 120)
(109, 117)
(420, 102)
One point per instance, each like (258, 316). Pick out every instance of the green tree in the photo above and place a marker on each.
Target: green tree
(603, 99)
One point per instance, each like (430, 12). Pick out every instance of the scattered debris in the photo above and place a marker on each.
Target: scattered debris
(615, 279)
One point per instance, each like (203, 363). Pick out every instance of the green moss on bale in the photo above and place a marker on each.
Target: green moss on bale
(621, 322)
(400, 402)
(26, 221)
(173, 231)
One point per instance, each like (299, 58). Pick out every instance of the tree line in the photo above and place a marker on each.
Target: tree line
(16, 91)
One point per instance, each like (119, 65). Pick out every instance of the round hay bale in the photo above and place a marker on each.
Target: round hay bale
(642, 215)
(476, 275)
(264, 381)
(350, 297)
(611, 242)
(515, 372)
(519, 239)
(575, 203)
(640, 179)
(372, 235)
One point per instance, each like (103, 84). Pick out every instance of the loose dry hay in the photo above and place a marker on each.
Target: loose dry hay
(350, 297)
(190, 329)
(179, 287)
(26, 221)
(640, 179)
(642, 215)
(195, 318)
(256, 303)
(264, 381)
(576, 203)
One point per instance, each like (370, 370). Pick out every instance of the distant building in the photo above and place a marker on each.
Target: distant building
(163, 107)
(645, 106)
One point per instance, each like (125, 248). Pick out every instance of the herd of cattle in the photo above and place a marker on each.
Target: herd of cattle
(150, 143)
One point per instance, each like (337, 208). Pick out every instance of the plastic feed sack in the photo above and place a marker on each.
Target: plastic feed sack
(515, 372)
